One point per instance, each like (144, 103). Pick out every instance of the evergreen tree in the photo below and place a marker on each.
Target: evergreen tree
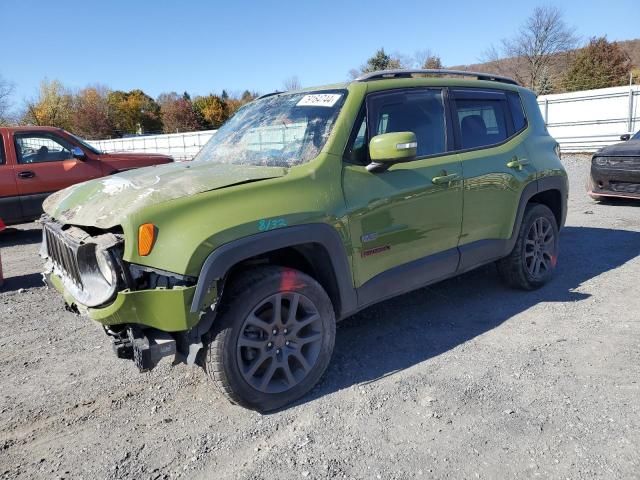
(545, 86)
(600, 64)
(380, 61)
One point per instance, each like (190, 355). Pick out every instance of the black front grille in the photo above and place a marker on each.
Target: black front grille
(624, 187)
(621, 163)
(62, 252)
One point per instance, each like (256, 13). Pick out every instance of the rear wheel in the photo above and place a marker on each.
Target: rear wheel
(272, 339)
(533, 259)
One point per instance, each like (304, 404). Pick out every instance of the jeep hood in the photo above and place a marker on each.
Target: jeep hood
(106, 201)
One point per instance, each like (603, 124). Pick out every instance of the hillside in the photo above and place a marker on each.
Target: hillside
(559, 64)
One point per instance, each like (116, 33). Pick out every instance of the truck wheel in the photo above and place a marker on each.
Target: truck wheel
(272, 338)
(532, 262)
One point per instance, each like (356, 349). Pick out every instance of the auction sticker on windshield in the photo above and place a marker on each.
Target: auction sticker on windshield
(319, 100)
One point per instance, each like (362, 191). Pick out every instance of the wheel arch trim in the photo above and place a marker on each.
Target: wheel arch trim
(544, 184)
(558, 183)
(223, 258)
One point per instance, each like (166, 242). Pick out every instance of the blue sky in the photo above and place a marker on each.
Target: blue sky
(205, 46)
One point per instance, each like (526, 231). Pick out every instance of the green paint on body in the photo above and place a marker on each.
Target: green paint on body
(401, 214)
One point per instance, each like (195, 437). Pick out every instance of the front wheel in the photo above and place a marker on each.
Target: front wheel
(533, 259)
(273, 338)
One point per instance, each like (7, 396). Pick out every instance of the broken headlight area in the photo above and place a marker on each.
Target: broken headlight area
(88, 265)
(147, 278)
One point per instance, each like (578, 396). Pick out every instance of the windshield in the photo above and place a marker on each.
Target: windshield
(86, 145)
(636, 136)
(280, 130)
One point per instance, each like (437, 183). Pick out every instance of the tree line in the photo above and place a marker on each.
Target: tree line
(97, 112)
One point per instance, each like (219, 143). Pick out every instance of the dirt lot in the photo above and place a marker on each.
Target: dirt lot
(465, 379)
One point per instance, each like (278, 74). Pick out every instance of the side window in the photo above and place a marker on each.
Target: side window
(483, 118)
(517, 113)
(420, 111)
(2, 160)
(41, 147)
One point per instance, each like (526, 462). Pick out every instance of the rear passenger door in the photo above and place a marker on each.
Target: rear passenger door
(10, 208)
(490, 131)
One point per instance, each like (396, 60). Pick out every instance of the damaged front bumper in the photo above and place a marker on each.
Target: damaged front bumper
(147, 325)
(615, 177)
(165, 309)
(147, 312)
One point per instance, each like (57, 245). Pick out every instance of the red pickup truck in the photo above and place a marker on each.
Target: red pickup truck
(37, 161)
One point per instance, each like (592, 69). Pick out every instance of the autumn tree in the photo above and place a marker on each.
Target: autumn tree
(248, 96)
(427, 59)
(600, 64)
(234, 102)
(134, 112)
(90, 117)
(52, 107)
(178, 114)
(433, 63)
(212, 109)
(540, 41)
(6, 89)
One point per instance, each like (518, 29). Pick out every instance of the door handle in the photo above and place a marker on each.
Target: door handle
(26, 174)
(441, 180)
(518, 163)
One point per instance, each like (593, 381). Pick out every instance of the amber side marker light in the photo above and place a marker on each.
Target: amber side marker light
(146, 238)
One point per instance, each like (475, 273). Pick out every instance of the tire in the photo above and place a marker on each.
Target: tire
(250, 342)
(537, 244)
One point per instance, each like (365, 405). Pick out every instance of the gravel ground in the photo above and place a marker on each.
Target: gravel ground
(465, 379)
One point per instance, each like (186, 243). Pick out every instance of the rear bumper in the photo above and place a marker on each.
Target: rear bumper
(167, 310)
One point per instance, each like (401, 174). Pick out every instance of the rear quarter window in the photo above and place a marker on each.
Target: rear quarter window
(517, 112)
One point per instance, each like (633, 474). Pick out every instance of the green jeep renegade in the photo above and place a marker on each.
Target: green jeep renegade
(304, 208)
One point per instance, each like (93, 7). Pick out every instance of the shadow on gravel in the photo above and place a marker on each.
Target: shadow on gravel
(31, 280)
(404, 331)
(13, 236)
(621, 202)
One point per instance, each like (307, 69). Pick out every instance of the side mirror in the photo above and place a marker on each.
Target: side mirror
(389, 148)
(78, 153)
(625, 137)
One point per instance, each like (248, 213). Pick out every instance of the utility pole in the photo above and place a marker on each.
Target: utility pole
(630, 116)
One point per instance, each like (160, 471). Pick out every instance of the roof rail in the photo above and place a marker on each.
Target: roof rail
(408, 73)
(268, 95)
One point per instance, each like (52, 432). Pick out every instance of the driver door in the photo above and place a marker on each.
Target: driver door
(405, 222)
(44, 164)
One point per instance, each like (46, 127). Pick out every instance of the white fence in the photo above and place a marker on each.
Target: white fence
(591, 119)
(580, 121)
(181, 146)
